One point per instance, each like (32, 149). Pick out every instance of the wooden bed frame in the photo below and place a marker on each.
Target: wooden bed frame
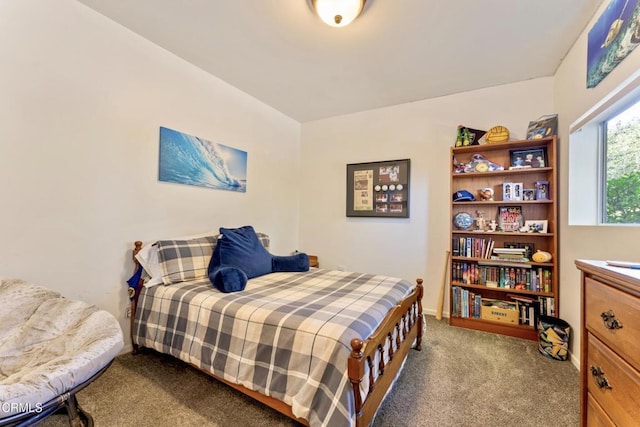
(404, 321)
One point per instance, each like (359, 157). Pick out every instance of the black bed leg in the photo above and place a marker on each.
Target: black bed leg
(77, 416)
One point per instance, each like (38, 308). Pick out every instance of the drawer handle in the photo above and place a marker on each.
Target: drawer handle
(599, 378)
(610, 321)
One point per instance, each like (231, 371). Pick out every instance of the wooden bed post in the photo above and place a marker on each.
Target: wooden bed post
(405, 322)
(420, 318)
(134, 297)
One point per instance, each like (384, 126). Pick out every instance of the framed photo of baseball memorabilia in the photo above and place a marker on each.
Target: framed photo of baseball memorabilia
(378, 189)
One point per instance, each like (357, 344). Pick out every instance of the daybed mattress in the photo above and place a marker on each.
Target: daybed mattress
(287, 335)
(49, 345)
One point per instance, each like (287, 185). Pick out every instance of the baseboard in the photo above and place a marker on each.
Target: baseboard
(127, 349)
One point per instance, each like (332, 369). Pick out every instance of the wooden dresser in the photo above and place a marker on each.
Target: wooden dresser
(610, 351)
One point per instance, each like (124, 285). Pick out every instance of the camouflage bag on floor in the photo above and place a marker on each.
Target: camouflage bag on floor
(553, 336)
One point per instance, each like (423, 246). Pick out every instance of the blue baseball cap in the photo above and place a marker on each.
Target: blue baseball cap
(463, 196)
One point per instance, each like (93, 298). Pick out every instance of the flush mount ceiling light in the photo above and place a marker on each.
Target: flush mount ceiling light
(338, 13)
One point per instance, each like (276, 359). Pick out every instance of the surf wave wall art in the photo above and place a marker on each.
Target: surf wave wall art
(189, 160)
(614, 35)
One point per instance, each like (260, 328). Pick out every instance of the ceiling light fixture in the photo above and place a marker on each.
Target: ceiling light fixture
(338, 13)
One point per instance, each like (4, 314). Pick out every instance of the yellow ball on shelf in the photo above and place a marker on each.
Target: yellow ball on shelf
(497, 134)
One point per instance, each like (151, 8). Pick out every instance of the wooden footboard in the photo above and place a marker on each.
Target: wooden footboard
(394, 337)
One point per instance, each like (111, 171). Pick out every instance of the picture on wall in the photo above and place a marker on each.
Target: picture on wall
(186, 159)
(614, 35)
(378, 189)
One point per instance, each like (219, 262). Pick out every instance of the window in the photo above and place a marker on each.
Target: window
(604, 160)
(621, 186)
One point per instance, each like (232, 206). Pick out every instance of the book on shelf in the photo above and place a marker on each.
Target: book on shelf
(497, 274)
(510, 254)
(509, 251)
(510, 259)
(505, 263)
(471, 247)
(465, 303)
(532, 307)
(529, 248)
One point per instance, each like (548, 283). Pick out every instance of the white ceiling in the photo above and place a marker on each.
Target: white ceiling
(397, 51)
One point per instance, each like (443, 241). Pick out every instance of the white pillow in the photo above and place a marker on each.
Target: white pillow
(148, 258)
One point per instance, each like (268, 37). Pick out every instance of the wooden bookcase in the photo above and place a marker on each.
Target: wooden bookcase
(472, 285)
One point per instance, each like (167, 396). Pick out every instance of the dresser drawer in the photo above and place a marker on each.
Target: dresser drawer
(596, 417)
(601, 299)
(620, 399)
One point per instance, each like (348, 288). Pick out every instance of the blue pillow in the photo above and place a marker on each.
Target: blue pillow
(228, 279)
(297, 262)
(239, 255)
(241, 248)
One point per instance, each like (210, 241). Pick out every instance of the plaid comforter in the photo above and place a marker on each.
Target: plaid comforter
(287, 335)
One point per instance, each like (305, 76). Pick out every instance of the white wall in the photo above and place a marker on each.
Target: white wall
(423, 132)
(82, 102)
(572, 99)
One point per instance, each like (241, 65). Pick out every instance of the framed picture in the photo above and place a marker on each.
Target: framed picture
(378, 189)
(510, 218)
(528, 194)
(197, 158)
(533, 158)
(542, 190)
(512, 191)
(507, 191)
(543, 127)
(611, 39)
(536, 226)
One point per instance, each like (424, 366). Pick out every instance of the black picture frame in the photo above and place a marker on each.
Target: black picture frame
(530, 158)
(379, 189)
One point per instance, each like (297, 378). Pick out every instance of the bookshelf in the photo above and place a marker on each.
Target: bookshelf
(484, 292)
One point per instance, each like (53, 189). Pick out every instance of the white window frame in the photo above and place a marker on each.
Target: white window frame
(587, 146)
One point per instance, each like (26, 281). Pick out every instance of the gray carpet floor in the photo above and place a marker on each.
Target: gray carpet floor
(460, 378)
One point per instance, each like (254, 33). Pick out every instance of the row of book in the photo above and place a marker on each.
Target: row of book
(465, 303)
(468, 304)
(472, 247)
(477, 247)
(531, 308)
(502, 276)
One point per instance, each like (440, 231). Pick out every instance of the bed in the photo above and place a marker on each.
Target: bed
(51, 347)
(320, 346)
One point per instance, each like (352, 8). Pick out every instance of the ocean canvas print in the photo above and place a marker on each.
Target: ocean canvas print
(186, 159)
(614, 35)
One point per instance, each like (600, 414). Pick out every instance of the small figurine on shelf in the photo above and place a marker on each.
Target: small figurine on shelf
(458, 167)
(486, 193)
(493, 225)
(480, 221)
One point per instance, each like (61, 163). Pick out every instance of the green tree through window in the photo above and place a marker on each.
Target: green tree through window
(622, 186)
